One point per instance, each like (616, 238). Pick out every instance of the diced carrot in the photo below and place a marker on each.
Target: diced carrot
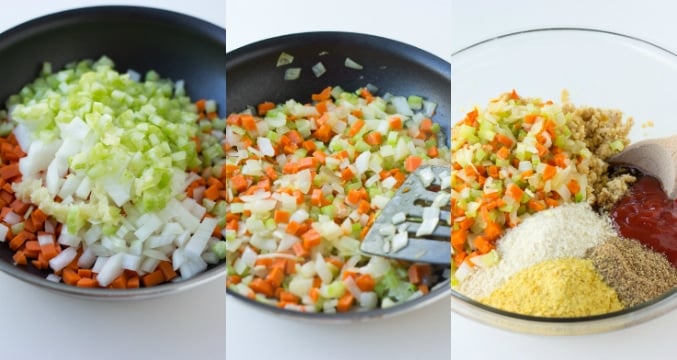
(345, 302)
(364, 207)
(482, 244)
(353, 197)
(292, 227)
(20, 258)
(133, 282)
(323, 133)
(281, 216)
(238, 183)
(373, 138)
(262, 287)
(87, 283)
(299, 250)
(549, 172)
(49, 250)
(503, 153)
(535, 205)
(167, 270)
(492, 230)
(120, 282)
(347, 174)
(311, 238)
(8, 172)
(212, 193)
(504, 140)
(433, 151)
(412, 162)
(70, 277)
(573, 186)
(325, 94)
(288, 297)
(86, 273)
(275, 277)
(314, 294)
(366, 94)
(365, 282)
(514, 192)
(154, 278)
(395, 123)
(264, 107)
(426, 125)
(316, 197)
(248, 122)
(356, 127)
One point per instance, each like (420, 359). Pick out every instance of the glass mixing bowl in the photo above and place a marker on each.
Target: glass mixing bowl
(598, 68)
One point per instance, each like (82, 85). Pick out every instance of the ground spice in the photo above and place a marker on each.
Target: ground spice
(637, 273)
(567, 287)
(564, 231)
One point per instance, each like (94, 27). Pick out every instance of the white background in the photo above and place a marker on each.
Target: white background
(37, 324)
(421, 334)
(473, 21)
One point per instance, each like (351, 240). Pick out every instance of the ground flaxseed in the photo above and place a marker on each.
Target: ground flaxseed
(637, 273)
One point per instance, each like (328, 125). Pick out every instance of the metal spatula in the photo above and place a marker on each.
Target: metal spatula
(424, 188)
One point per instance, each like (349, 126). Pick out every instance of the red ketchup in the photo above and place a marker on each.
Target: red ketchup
(647, 215)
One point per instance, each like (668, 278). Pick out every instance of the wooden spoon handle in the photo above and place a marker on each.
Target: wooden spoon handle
(655, 157)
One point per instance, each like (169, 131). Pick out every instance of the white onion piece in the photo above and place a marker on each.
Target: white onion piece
(352, 64)
(110, 270)
(64, 258)
(4, 229)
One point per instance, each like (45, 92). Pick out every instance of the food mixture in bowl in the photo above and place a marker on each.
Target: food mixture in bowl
(110, 180)
(535, 208)
(306, 181)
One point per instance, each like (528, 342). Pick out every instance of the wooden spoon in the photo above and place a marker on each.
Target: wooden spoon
(655, 157)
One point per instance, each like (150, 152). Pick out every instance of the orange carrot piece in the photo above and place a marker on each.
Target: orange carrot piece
(412, 162)
(85, 273)
(70, 277)
(87, 283)
(264, 107)
(275, 277)
(311, 238)
(152, 279)
(19, 258)
(281, 216)
(356, 127)
(325, 94)
(549, 172)
(248, 122)
(299, 250)
(573, 186)
(238, 183)
(8, 172)
(365, 282)
(262, 287)
(167, 270)
(133, 282)
(373, 138)
(395, 123)
(49, 250)
(345, 302)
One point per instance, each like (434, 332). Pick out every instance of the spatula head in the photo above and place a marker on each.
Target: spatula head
(405, 213)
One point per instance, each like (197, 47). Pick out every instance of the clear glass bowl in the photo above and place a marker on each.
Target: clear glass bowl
(598, 68)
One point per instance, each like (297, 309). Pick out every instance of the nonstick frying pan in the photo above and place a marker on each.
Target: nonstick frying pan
(177, 46)
(253, 77)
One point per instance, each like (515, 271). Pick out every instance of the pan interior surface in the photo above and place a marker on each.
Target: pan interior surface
(175, 45)
(393, 67)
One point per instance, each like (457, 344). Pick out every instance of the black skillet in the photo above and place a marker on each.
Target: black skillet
(177, 46)
(392, 66)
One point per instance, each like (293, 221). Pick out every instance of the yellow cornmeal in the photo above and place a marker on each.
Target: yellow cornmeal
(568, 287)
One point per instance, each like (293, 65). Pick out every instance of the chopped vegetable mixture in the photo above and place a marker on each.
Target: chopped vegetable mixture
(305, 182)
(110, 180)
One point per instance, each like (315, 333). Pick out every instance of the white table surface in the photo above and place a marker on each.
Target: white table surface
(37, 324)
(421, 334)
(473, 21)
